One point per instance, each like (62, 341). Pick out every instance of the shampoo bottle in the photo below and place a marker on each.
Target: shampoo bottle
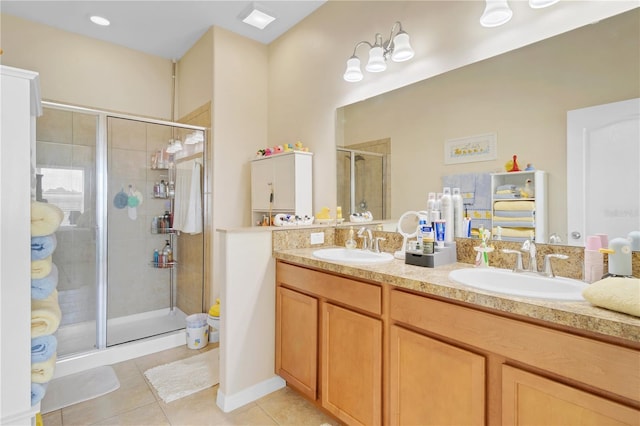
(458, 214)
(447, 213)
(167, 254)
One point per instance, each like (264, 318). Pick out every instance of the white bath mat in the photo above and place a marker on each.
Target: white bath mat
(78, 387)
(181, 378)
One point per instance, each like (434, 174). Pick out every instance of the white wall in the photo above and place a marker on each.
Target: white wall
(87, 72)
(306, 64)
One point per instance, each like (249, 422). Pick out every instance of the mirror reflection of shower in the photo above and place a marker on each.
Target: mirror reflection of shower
(361, 182)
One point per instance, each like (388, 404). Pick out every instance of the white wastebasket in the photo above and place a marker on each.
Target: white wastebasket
(197, 331)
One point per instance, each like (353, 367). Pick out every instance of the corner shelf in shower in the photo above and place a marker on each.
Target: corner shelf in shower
(166, 265)
(163, 231)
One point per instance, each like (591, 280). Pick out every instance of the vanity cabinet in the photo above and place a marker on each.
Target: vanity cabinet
(520, 215)
(434, 383)
(530, 399)
(329, 341)
(282, 183)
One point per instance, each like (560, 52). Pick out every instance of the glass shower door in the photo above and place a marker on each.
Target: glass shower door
(66, 176)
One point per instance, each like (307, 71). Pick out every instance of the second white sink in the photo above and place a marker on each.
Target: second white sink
(520, 284)
(339, 254)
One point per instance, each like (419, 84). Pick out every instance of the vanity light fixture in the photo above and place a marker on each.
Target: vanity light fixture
(257, 16)
(99, 20)
(498, 12)
(396, 47)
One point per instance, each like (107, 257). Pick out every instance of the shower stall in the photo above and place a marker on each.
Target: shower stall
(104, 171)
(362, 182)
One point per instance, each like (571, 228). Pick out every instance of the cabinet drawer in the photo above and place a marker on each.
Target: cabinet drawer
(606, 366)
(356, 294)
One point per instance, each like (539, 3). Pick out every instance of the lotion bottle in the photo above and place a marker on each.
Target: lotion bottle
(458, 213)
(447, 213)
(593, 260)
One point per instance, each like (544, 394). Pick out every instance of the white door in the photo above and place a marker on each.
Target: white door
(603, 170)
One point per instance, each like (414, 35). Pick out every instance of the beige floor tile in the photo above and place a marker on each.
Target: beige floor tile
(129, 375)
(147, 415)
(53, 418)
(287, 407)
(197, 409)
(109, 405)
(253, 415)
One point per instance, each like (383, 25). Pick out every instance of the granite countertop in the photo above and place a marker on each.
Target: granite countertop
(434, 281)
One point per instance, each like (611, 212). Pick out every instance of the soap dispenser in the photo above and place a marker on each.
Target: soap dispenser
(351, 242)
(619, 252)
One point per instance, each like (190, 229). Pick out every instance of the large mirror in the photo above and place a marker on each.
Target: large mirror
(522, 97)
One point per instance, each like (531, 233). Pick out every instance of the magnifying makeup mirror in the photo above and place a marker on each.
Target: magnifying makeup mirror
(408, 228)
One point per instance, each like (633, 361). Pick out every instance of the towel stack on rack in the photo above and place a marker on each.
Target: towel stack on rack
(516, 219)
(45, 310)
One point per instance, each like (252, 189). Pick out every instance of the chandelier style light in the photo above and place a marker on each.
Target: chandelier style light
(397, 47)
(498, 12)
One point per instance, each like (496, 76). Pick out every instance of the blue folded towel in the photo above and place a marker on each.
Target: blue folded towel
(506, 196)
(41, 288)
(37, 392)
(43, 347)
(42, 247)
(506, 188)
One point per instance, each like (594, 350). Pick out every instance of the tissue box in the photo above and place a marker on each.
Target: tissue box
(441, 256)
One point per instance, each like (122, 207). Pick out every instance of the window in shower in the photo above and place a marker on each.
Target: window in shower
(63, 187)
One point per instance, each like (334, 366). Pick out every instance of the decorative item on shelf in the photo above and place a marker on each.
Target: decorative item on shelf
(512, 165)
(529, 167)
(280, 149)
(282, 219)
(397, 47)
(361, 217)
(527, 191)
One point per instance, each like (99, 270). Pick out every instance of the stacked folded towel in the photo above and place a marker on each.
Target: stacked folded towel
(42, 247)
(45, 309)
(506, 192)
(45, 218)
(524, 233)
(515, 205)
(43, 348)
(45, 315)
(42, 288)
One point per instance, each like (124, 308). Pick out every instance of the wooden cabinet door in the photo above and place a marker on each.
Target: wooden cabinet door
(529, 399)
(351, 365)
(434, 383)
(297, 340)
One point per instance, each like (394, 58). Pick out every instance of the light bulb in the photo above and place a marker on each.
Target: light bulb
(496, 13)
(402, 50)
(353, 73)
(376, 60)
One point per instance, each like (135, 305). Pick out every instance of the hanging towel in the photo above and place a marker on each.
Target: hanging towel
(43, 347)
(42, 247)
(41, 288)
(42, 372)
(188, 198)
(45, 315)
(45, 218)
(41, 268)
(38, 391)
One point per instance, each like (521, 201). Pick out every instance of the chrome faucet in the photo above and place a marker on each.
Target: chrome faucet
(367, 240)
(547, 269)
(376, 244)
(518, 267)
(530, 247)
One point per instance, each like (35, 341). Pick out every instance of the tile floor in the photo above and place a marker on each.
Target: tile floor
(136, 403)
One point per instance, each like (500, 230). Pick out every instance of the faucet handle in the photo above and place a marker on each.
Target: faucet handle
(547, 269)
(518, 267)
(376, 243)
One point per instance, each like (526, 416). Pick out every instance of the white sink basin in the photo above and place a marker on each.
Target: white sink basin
(352, 255)
(520, 284)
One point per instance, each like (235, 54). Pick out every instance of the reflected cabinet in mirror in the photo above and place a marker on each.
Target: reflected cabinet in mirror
(523, 97)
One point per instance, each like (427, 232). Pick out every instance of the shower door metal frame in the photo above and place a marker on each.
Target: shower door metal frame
(101, 228)
(352, 178)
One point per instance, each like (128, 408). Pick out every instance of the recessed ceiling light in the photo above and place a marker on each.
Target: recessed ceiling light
(256, 16)
(99, 20)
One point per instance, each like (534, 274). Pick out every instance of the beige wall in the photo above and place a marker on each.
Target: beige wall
(87, 72)
(306, 64)
(523, 96)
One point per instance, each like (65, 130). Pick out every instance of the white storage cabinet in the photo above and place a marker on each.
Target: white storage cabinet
(539, 185)
(289, 177)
